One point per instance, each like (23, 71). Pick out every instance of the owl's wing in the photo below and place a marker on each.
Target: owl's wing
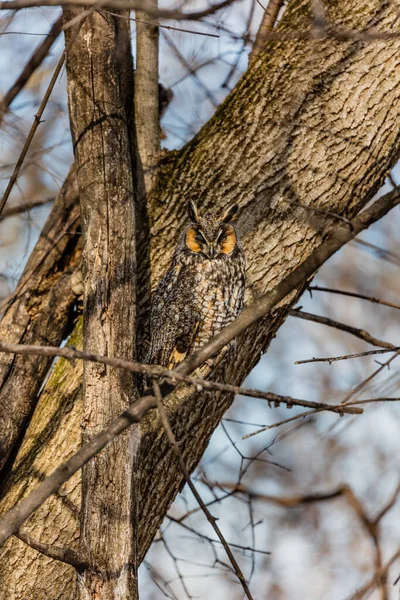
(174, 318)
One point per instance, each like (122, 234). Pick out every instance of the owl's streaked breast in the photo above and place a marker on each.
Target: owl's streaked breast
(201, 292)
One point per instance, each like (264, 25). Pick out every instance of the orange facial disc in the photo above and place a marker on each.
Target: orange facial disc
(229, 240)
(191, 242)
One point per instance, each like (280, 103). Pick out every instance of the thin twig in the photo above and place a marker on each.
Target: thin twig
(210, 518)
(376, 579)
(174, 14)
(368, 379)
(187, 66)
(318, 288)
(331, 359)
(205, 537)
(33, 63)
(169, 27)
(319, 211)
(35, 125)
(12, 211)
(279, 423)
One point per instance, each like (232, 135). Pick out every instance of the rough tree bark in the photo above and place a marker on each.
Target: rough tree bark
(96, 68)
(312, 122)
(39, 309)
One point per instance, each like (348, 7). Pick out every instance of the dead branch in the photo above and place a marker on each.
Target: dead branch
(33, 63)
(360, 333)
(173, 376)
(35, 125)
(331, 359)
(210, 518)
(318, 288)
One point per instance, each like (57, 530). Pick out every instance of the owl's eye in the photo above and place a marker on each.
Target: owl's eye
(221, 237)
(193, 240)
(227, 239)
(200, 238)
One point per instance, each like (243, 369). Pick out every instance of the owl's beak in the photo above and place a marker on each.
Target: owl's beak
(211, 251)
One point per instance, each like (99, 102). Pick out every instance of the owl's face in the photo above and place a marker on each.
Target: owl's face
(211, 237)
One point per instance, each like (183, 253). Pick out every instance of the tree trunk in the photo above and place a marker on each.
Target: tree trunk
(99, 126)
(313, 122)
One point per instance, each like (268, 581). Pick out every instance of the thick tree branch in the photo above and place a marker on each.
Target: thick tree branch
(39, 311)
(147, 115)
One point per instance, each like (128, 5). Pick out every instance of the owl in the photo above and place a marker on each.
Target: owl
(201, 292)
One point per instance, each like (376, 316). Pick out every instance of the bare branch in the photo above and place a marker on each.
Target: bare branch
(376, 579)
(33, 63)
(12, 211)
(360, 333)
(173, 376)
(368, 379)
(210, 518)
(331, 359)
(317, 288)
(142, 5)
(35, 125)
(205, 537)
(267, 24)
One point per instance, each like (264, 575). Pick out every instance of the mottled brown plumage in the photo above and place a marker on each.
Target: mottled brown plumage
(201, 292)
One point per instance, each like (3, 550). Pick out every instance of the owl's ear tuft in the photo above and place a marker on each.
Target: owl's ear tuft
(192, 211)
(230, 214)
